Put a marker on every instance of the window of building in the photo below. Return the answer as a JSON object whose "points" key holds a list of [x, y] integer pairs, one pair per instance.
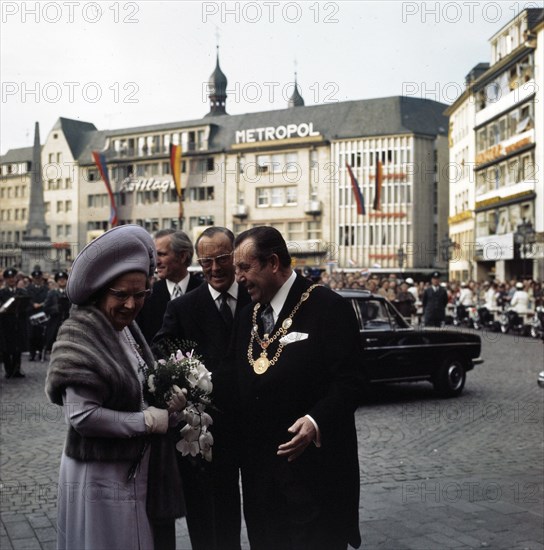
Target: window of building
{"points": [[314, 230], [68, 206], [277, 196], [263, 197], [295, 231], [60, 206], [201, 193]]}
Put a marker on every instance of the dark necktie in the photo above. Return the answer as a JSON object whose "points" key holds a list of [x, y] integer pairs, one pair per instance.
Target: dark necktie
{"points": [[267, 318], [225, 310]]}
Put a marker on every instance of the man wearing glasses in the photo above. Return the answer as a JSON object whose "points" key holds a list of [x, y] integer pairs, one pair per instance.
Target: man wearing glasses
{"points": [[174, 256], [205, 316]]}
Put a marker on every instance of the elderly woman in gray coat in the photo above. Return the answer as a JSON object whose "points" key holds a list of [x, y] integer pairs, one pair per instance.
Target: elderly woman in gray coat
{"points": [[96, 373]]}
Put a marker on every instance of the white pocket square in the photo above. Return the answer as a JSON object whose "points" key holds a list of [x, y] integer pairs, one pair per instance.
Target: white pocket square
{"points": [[293, 337]]}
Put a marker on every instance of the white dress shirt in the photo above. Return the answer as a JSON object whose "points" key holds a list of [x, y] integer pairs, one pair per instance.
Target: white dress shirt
{"points": [[183, 284]]}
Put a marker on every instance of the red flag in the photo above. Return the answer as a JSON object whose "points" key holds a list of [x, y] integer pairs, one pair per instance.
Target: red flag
{"points": [[100, 161], [359, 199], [379, 177]]}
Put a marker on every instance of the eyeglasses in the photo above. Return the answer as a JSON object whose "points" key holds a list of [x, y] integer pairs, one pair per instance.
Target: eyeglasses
{"points": [[222, 260], [123, 296]]}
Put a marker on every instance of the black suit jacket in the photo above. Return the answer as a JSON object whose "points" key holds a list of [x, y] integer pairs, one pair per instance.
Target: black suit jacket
{"points": [[195, 317], [434, 304], [150, 317], [315, 376]]}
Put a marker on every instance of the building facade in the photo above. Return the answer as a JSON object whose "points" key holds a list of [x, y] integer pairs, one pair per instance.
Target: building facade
{"points": [[498, 126], [286, 168]]}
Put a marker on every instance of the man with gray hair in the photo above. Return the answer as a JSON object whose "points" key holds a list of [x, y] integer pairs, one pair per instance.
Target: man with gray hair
{"points": [[174, 256]]}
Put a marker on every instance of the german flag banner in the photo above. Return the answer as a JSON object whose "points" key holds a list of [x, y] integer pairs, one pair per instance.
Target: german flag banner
{"points": [[359, 198], [100, 161], [175, 167]]}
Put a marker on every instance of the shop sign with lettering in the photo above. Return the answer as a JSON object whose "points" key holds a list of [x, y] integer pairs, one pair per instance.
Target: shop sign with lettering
{"points": [[273, 133], [131, 184]]}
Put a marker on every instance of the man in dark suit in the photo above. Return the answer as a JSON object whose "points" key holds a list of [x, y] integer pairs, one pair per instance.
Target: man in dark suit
{"points": [[294, 369], [434, 302], [57, 306], [205, 316], [14, 302], [37, 290], [174, 255]]}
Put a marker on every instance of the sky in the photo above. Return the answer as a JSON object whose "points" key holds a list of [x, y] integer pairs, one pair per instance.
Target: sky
{"points": [[122, 64]]}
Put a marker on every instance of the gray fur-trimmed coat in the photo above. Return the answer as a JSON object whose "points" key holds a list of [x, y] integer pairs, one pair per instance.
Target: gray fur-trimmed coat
{"points": [[87, 353]]}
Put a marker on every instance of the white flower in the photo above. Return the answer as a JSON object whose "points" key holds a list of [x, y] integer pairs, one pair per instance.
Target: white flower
{"points": [[192, 416], [206, 420], [206, 441], [204, 381], [190, 433], [187, 447], [151, 383]]}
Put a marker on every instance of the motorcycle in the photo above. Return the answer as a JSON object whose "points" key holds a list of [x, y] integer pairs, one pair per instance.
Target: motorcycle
{"points": [[465, 315], [486, 319], [511, 320], [537, 324]]}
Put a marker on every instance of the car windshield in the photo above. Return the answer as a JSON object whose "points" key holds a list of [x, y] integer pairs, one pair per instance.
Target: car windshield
{"points": [[376, 315]]}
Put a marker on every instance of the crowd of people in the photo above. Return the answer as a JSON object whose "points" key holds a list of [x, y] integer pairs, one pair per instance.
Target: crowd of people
{"points": [[523, 295]]}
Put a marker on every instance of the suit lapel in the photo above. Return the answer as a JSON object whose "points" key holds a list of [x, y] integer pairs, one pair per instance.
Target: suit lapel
{"points": [[299, 286]]}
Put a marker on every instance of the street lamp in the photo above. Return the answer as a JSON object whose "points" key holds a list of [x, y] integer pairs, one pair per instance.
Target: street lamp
{"points": [[524, 237], [445, 245], [400, 257]]}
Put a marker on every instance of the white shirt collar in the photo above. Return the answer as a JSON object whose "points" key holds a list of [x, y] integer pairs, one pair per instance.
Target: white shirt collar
{"points": [[184, 283], [232, 291], [278, 301]]}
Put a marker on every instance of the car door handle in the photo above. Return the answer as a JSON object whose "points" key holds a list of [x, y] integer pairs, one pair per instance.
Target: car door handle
{"points": [[371, 339]]}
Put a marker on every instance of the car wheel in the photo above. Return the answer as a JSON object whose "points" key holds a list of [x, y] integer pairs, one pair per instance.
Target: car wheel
{"points": [[450, 378]]}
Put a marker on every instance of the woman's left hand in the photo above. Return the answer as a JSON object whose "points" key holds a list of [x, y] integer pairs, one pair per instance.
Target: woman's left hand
{"points": [[178, 401]]}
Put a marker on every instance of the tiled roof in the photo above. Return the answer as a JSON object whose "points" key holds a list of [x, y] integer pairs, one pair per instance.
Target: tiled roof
{"points": [[22, 154], [340, 120]]}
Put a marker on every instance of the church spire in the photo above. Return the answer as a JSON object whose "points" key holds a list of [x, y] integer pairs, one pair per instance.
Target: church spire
{"points": [[296, 100], [217, 86]]}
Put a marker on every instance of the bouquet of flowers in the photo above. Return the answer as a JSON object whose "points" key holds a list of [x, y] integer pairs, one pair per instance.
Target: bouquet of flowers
{"points": [[186, 370]]}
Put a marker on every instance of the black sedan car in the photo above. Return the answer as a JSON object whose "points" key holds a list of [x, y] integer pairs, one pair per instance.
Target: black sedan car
{"points": [[395, 351]]}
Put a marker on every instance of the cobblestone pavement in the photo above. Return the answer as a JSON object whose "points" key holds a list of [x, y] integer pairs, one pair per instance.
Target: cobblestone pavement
{"points": [[457, 473]]}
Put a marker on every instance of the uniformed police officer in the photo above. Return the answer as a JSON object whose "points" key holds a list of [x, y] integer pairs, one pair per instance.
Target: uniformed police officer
{"points": [[13, 306], [435, 300], [37, 292], [57, 306]]}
